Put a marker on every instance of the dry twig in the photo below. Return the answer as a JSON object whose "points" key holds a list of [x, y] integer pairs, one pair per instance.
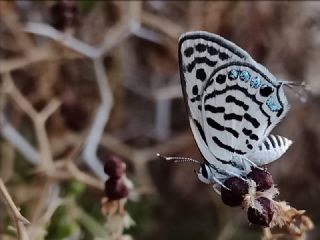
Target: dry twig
{"points": [[19, 220]]}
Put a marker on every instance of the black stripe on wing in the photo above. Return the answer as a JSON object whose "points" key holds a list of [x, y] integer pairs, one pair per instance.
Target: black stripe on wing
{"points": [[232, 99], [200, 130], [214, 109], [249, 133], [252, 120], [240, 103], [199, 60], [227, 147], [253, 68], [273, 143], [212, 123], [232, 116]]}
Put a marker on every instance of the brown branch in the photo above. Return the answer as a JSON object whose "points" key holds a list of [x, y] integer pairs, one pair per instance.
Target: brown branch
{"points": [[16, 215], [37, 55], [167, 27], [39, 119], [12, 21]]}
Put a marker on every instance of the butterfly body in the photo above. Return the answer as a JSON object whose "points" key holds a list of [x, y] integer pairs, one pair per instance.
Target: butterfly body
{"points": [[233, 103]]}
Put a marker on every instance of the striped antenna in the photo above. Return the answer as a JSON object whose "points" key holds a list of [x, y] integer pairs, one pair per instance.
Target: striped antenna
{"points": [[178, 159]]}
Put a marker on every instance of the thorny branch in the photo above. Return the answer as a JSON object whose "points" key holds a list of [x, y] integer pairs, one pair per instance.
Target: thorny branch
{"points": [[65, 169], [19, 220], [39, 119]]}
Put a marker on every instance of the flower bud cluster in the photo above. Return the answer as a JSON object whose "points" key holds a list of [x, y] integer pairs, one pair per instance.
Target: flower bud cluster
{"points": [[115, 188], [249, 193], [64, 14], [255, 194]]}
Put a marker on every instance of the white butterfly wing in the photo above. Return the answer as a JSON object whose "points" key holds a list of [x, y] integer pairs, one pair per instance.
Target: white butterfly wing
{"points": [[270, 149], [199, 54], [228, 117], [250, 103]]}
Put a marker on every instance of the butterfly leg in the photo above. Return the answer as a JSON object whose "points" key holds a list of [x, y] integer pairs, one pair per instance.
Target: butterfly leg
{"points": [[216, 188], [249, 164], [220, 183], [236, 175]]}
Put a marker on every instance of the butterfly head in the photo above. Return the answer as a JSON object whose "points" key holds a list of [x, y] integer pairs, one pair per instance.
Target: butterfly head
{"points": [[204, 173]]}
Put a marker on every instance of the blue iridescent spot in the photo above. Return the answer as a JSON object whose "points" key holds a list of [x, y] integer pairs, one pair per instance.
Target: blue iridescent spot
{"points": [[244, 76], [272, 106], [233, 74], [255, 82]]}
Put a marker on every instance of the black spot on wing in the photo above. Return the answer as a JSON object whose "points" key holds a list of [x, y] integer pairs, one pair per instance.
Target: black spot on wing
{"points": [[188, 51], [280, 111], [201, 47], [198, 60], [200, 130], [196, 98], [201, 74], [227, 147], [212, 51], [246, 131], [249, 146], [252, 120], [223, 56], [254, 137], [232, 99], [221, 79], [195, 90], [214, 39], [214, 109], [265, 91], [260, 147], [249, 133]]}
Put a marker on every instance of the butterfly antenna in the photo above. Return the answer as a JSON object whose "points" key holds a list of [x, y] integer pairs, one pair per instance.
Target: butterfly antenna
{"points": [[302, 86], [178, 159]]}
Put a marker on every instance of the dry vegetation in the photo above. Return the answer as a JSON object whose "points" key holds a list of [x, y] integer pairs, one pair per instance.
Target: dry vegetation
{"points": [[82, 82]]}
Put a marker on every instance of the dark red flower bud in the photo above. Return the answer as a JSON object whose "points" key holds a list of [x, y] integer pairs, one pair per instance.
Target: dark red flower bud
{"points": [[114, 167], [262, 178], [64, 13], [234, 196], [261, 218], [115, 189]]}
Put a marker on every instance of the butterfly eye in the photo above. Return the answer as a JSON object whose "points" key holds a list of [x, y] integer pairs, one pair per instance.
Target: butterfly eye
{"points": [[204, 171]]}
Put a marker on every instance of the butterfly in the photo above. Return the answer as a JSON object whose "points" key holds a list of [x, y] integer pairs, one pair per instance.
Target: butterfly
{"points": [[233, 103]]}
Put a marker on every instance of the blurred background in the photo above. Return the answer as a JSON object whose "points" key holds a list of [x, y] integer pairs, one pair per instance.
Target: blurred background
{"points": [[83, 81]]}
